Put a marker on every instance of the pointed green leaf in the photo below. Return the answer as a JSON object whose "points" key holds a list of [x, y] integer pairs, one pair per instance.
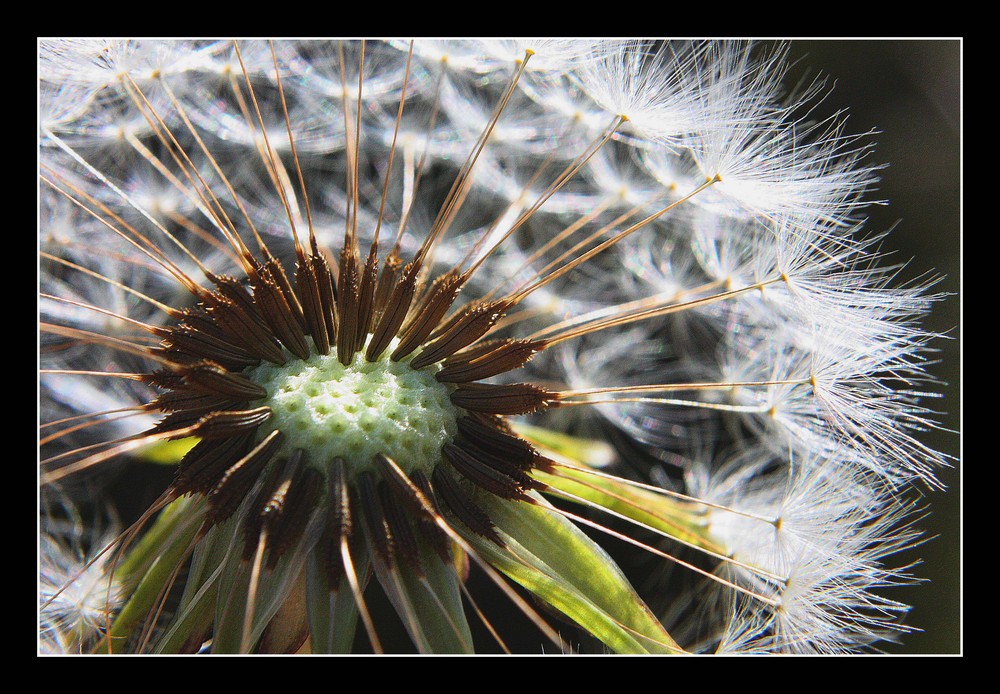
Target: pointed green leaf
{"points": [[197, 607], [274, 587], [679, 519], [333, 613], [190, 623], [438, 601], [589, 452], [178, 516], [153, 562], [554, 559], [429, 606]]}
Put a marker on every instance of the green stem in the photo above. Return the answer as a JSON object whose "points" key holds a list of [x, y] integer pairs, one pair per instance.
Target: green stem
{"points": [[151, 564]]}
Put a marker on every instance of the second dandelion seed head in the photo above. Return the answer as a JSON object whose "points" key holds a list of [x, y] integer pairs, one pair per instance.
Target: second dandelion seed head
{"points": [[357, 411]]}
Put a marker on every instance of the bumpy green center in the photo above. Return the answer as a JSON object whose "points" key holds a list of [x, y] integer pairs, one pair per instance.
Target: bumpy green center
{"points": [[354, 412]]}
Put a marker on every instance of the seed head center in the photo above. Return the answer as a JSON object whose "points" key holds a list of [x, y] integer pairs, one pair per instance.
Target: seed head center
{"points": [[357, 411]]}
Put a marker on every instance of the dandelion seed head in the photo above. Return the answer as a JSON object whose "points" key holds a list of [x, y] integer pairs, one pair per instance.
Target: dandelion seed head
{"points": [[382, 301]]}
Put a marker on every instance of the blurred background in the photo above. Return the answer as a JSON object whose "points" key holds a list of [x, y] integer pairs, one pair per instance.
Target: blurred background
{"points": [[910, 91]]}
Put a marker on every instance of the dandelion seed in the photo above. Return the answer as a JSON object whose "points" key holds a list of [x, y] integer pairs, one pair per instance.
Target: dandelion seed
{"points": [[77, 592]]}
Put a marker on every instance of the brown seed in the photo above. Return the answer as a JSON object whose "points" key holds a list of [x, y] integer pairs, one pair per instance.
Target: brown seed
{"points": [[493, 358], [298, 506], [349, 287], [203, 466], [394, 313], [488, 440], [429, 312], [366, 300], [485, 475], [211, 378], [238, 479], [277, 311], [464, 508], [511, 399], [242, 327], [220, 424], [308, 280], [372, 514], [398, 521], [473, 322]]}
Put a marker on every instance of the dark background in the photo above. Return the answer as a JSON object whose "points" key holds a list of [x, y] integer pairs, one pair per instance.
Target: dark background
{"points": [[910, 91]]}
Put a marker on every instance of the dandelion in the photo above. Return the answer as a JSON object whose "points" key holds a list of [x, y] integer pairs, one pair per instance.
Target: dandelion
{"points": [[378, 303], [76, 589]]}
